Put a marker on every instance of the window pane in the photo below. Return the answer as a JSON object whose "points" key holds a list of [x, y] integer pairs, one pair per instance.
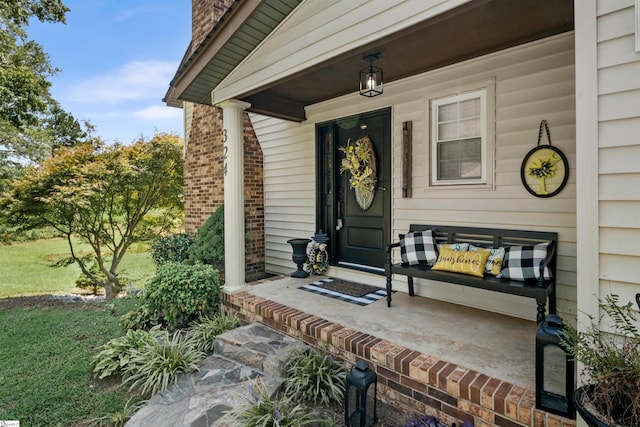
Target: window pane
{"points": [[459, 159], [470, 108], [447, 131], [470, 148], [448, 112], [448, 150], [469, 128], [448, 169], [470, 169]]}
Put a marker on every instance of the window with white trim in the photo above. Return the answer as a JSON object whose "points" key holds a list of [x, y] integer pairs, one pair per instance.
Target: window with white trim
{"points": [[459, 140]]}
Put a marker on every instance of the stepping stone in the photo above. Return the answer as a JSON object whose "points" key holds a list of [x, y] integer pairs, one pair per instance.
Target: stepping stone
{"points": [[200, 399]]}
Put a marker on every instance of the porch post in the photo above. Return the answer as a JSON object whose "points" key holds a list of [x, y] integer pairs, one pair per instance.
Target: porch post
{"points": [[234, 233]]}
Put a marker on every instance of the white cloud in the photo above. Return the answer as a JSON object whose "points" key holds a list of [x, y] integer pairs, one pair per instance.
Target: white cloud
{"points": [[136, 80], [158, 112]]}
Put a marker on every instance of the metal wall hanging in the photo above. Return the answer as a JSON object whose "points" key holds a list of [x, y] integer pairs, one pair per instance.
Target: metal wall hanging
{"points": [[360, 161], [545, 169]]}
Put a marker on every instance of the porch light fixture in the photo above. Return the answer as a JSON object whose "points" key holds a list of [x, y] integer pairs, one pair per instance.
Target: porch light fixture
{"points": [[360, 396], [554, 370], [371, 78]]}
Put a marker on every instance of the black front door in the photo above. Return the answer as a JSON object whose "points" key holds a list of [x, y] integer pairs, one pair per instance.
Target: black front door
{"points": [[358, 235]]}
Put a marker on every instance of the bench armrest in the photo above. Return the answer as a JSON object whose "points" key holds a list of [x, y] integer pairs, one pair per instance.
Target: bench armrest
{"points": [[391, 246], [551, 251]]}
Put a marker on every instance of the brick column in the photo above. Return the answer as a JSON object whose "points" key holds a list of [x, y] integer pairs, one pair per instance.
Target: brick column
{"points": [[234, 233]]}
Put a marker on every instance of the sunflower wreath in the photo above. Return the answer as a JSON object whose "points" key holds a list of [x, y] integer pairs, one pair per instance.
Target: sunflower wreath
{"points": [[318, 260]]}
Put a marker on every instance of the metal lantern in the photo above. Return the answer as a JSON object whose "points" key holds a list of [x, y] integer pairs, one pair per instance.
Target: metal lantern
{"points": [[360, 396], [555, 376], [371, 78]]}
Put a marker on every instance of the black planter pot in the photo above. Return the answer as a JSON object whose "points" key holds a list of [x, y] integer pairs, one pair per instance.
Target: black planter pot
{"points": [[299, 255], [587, 416]]}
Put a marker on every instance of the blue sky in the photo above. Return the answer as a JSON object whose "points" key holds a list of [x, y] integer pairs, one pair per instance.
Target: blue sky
{"points": [[116, 60]]}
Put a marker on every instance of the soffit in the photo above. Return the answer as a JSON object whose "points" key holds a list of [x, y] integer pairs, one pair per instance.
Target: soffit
{"points": [[470, 30], [240, 30]]}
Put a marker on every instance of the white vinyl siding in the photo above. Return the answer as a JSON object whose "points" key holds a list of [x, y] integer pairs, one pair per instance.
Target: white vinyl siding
{"points": [[289, 187], [618, 149], [532, 82]]}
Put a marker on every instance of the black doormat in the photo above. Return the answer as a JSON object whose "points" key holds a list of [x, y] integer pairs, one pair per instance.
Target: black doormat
{"points": [[355, 293]]}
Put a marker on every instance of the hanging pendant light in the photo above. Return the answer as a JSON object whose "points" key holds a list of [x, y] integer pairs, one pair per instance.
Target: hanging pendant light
{"points": [[371, 78]]}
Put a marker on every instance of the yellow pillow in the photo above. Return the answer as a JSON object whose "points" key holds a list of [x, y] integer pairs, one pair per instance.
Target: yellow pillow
{"points": [[462, 262]]}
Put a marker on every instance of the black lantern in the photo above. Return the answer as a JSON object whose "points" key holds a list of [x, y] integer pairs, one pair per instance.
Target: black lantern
{"points": [[371, 78], [555, 374], [360, 396]]}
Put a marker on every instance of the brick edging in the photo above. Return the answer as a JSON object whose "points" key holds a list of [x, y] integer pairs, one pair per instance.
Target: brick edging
{"points": [[418, 382]]}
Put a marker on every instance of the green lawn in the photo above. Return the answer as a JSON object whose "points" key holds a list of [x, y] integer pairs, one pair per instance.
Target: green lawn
{"points": [[25, 267], [46, 350], [45, 372]]}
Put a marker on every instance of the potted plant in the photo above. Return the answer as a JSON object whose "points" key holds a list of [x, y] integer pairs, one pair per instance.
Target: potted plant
{"points": [[611, 361]]}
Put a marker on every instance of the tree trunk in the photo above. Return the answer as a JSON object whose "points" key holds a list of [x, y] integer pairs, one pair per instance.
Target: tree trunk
{"points": [[110, 290], [111, 287]]}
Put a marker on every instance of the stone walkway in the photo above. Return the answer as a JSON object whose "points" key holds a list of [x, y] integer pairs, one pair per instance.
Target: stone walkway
{"points": [[200, 399]]}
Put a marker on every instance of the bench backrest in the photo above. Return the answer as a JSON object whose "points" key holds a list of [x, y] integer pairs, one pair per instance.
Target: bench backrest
{"points": [[491, 237]]}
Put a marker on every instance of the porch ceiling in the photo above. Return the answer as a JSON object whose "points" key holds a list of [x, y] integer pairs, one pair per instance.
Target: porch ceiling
{"points": [[471, 30]]}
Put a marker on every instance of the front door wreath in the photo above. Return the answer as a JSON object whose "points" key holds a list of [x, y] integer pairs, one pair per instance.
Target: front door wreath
{"points": [[360, 162]]}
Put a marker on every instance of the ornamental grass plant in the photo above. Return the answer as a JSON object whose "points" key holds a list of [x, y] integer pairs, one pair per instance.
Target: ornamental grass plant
{"points": [[158, 363], [316, 376], [205, 330], [611, 361], [260, 410]]}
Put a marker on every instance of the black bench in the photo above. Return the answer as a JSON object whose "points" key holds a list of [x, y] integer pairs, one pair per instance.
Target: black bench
{"points": [[542, 289]]}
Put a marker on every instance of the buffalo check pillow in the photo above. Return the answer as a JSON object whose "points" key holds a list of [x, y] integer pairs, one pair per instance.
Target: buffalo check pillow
{"points": [[523, 262], [418, 247]]}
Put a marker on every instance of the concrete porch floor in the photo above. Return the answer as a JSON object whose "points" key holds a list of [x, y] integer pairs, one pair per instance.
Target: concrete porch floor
{"points": [[455, 362], [496, 345]]}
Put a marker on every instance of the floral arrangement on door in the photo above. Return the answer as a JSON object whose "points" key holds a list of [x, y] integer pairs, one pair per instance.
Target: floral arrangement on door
{"points": [[360, 162]]}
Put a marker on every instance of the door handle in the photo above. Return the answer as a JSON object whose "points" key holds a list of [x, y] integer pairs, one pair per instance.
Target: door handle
{"points": [[339, 224]]}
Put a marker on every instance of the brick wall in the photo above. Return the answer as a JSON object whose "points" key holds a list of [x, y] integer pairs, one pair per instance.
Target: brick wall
{"points": [[204, 15], [204, 181], [253, 203], [204, 166]]}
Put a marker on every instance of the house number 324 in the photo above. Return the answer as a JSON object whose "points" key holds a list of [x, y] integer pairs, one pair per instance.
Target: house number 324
{"points": [[226, 149]]}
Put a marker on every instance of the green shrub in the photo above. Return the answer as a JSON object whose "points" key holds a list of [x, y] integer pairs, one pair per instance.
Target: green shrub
{"points": [[209, 245], [115, 355], [259, 410], [172, 248], [139, 318], [205, 330], [158, 363], [180, 293], [315, 376]]}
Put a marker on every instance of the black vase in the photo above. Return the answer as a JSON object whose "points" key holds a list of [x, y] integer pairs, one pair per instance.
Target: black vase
{"points": [[587, 416], [299, 256]]}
